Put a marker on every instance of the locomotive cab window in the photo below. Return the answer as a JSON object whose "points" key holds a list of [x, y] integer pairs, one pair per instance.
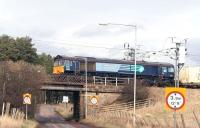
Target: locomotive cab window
{"points": [[56, 63], [170, 69], [71, 63], [66, 62], [164, 70], [67, 65], [61, 62]]}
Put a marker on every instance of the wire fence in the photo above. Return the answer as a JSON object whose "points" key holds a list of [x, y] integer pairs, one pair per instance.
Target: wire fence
{"points": [[125, 119], [127, 106]]}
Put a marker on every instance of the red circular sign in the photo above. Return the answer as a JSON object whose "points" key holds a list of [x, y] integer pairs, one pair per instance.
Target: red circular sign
{"points": [[175, 100]]}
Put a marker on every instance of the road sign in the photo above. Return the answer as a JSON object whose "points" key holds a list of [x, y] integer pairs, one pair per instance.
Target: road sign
{"points": [[94, 100], [26, 98], [175, 98], [26, 101], [65, 99]]}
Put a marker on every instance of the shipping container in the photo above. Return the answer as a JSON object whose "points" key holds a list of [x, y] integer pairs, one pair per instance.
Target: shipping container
{"points": [[190, 75]]}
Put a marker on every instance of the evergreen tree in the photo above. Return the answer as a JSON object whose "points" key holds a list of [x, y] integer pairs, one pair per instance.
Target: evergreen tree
{"points": [[46, 61]]}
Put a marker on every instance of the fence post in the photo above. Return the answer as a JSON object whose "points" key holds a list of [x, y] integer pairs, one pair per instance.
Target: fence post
{"points": [[3, 107], [128, 80], [105, 81], [116, 81], [7, 108], [94, 79]]}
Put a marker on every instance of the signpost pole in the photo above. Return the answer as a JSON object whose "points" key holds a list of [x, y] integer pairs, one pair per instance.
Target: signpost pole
{"points": [[45, 97], [26, 111], [174, 119]]}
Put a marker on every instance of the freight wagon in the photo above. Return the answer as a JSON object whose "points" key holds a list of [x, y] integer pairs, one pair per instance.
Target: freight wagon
{"points": [[152, 72], [190, 76]]}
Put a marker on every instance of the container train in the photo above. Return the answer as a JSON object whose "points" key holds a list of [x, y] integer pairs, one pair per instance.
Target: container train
{"points": [[153, 72]]}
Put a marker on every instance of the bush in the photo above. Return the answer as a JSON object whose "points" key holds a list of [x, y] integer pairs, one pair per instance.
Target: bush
{"points": [[142, 91]]}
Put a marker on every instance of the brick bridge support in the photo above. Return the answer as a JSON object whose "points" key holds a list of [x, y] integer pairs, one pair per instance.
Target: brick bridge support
{"points": [[79, 105]]}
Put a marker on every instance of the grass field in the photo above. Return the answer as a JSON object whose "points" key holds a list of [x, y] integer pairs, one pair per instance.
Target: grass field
{"points": [[7, 122], [192, 102], [159, 111]]}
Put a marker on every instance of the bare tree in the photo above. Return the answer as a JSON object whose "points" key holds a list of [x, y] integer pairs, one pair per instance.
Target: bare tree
{"points": [[17, 78]]}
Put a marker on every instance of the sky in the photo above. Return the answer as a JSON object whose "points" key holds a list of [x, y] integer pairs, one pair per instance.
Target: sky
{"points": [[71, 28]]}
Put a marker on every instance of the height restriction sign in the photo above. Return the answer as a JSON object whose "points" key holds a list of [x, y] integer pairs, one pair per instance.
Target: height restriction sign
{"points": [[26, 98], [94, 100], [175, 98]]}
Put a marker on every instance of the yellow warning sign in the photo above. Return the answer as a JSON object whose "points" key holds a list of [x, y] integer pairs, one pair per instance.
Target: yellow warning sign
{"points": [[27, 98], [94, 100], [175, 98]]}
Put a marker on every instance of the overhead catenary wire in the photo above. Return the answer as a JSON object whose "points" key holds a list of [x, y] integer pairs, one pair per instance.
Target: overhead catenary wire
{"points": [[75, 44], [65, 42], [163, 52]]}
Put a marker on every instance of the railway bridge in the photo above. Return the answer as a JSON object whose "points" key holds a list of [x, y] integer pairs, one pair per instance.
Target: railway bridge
{"points": [[108, 89]]}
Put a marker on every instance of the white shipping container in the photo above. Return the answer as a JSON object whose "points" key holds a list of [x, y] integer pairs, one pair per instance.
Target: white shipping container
{"points": [[189, 75]]}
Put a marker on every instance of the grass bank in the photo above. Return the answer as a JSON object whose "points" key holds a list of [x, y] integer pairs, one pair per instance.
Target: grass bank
{"points": [[8, 122], [154, 116]]}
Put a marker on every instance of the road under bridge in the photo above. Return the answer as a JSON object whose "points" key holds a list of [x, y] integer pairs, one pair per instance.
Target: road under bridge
{"points": [[107, 88]]}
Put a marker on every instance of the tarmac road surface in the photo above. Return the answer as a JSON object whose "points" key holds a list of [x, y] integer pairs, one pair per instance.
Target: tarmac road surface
{"points": [[48, 118]]}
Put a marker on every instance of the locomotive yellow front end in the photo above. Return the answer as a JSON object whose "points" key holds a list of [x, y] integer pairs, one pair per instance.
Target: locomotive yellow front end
{"points": [[58, 69]]}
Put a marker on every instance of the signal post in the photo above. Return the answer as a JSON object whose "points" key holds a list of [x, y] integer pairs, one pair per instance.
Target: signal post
{"points": [[176, 97]]}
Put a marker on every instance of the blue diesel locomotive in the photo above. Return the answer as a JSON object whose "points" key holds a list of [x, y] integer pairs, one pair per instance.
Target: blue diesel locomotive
{"points": [[153, 72]]}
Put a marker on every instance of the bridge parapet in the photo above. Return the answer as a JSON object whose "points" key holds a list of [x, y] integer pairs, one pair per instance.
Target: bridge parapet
{"points": [[94, 80]]}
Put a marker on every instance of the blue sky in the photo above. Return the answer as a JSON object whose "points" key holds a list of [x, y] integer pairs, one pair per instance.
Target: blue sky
{"points": [[66, 27]]}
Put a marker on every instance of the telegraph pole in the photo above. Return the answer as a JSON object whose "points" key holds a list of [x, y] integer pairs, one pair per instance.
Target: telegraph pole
{"points": [[86, 89], [127, 46], [176, 64], [134, 87], [180, 51]]}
